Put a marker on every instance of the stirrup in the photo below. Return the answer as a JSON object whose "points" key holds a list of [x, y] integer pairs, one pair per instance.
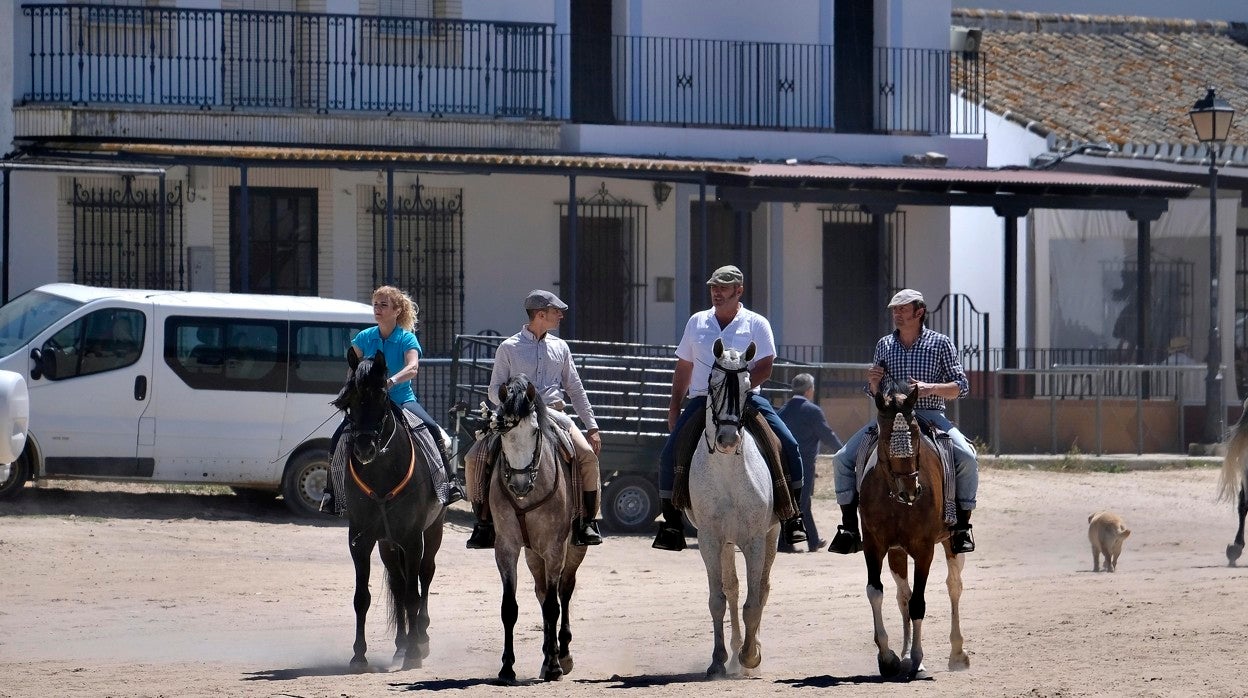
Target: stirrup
{"points": [[793, 530], [845, 542], [586, 533], [961, 540], [482, 537], [669, 538], [454, 493]]}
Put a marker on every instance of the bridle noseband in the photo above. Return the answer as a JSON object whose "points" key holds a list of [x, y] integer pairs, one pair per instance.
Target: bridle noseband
{"points": [[728, 402], [901, 447]]}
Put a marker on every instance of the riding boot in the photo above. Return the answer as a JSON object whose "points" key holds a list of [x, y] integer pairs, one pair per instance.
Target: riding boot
{"points": [[455, 492], [847, 539], [482, 537], [793, 531], [960, 538], [672, 530], [328, 505], [585, 528]]}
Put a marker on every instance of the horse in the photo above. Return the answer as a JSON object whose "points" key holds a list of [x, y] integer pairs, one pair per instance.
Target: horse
{"points": [[532, 505], [902, 504], [1234, 477], [731, 501], [389, 501]]}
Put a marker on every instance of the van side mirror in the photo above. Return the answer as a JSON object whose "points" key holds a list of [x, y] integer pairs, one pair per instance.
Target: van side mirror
{"points": [[36, 369]]}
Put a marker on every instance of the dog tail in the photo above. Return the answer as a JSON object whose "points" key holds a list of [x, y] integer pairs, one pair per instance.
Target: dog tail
{"points": [[1233, 464]]}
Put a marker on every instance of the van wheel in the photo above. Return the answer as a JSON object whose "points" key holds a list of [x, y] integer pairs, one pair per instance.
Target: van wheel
{"points": [[303, 485], [19, 473], [630, 504]]}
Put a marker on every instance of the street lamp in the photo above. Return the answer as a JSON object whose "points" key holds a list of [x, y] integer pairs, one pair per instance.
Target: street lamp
{"points": [[1212, 117]]}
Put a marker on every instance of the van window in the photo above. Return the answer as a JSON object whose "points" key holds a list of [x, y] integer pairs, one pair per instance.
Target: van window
{"points": [[104, 340], [319, 363], [227, 353], [28, 315]]}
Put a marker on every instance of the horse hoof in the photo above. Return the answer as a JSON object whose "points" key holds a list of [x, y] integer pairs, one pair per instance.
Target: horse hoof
{"points": [[507, 675], [422, 650], [716, 671], [359, 665], [889, 664], [553, 674], [566, 663], [959, 662], [1233, 551], [751, 660]]}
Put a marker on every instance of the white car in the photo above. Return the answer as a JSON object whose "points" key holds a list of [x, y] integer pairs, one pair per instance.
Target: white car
{"points": [[14, 418]]}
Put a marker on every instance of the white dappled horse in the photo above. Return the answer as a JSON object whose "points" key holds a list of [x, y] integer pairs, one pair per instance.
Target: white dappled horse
{"points": [[731, 503]]}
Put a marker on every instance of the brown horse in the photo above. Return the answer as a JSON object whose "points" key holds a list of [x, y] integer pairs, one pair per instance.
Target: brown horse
{"points": [[902, 504], [531, 501], [1235, 477]]}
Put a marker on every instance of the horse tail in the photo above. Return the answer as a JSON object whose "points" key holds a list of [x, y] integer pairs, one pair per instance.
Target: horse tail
{"points": [[1233, 463]]}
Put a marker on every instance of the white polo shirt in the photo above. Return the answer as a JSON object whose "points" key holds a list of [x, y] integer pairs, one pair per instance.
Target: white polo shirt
{"points": [[698, 343]]}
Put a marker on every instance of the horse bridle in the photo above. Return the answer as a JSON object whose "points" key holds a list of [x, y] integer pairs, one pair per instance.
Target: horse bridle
{"points": [[901, 447], [534, 461], [730, 401]]}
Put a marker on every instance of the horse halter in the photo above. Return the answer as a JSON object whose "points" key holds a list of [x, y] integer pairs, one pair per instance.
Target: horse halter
{"points": [[361, 436], [901, 447], [501, 424]]}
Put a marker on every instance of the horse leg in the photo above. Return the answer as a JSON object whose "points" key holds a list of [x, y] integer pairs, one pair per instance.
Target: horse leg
{"points": [[886, 659], [361, 554], [412, 560], [732, 600], [958, 658], [505, 558], [547, 568], [428, 565], [567, 585], [396, 574], [918, 606], [757, 581], [1234, 550], [712, 551], [898, 564]]}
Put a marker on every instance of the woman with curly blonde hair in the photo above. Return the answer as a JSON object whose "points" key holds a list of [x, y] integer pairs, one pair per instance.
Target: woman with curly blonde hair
{"points": [[394, 336]]}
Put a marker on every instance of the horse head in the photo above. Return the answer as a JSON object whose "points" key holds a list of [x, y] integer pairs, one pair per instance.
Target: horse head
{"points": [[521, 420], [729, 384], [366, 403], [899, 443]]}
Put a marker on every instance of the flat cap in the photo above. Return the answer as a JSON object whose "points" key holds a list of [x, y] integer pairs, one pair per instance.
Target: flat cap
{"points": [[726, 276], [906, 296], [541, 300]]}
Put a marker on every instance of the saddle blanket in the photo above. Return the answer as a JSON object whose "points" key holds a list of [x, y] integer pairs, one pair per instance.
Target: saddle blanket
{"points": [[868, 456]]}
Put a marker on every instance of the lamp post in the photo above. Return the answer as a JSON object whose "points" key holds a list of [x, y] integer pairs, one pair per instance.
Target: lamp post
{"points": [[1212, 117]]}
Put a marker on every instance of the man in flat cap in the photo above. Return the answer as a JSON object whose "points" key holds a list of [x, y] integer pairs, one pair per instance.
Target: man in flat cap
{"points": [[911, 356], [728, 320], [547, 361]]}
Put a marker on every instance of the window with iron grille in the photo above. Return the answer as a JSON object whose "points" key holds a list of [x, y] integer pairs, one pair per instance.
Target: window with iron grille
{"points": [[423, 254], [128, 237]]}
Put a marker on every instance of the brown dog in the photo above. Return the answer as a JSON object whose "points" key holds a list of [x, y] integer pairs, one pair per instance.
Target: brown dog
{"points": [[1106, 532]]}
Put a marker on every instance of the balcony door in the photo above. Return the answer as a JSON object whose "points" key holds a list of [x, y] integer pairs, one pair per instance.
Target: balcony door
{"points": [[279, 244], [591, 70]]}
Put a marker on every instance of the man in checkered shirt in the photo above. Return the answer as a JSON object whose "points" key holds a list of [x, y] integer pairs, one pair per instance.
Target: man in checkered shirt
{"points": [[912, 356]]}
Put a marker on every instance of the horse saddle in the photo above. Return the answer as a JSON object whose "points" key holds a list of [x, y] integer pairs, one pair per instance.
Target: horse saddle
{"points": [[769, 445], [937, 439]]}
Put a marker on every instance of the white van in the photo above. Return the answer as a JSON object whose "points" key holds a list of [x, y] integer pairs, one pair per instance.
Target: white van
{"points": [[179, 387]]}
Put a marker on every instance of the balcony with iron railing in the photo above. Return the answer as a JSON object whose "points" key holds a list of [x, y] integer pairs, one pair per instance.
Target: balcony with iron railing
{"points": [[103, 56]]}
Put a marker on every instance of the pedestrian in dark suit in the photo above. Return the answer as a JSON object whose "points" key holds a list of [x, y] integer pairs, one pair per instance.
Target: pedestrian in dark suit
{"points": [[805, 419]]}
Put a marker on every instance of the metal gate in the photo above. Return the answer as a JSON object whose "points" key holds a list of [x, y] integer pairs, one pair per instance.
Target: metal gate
{"points": [[423, 254], [956, 316], [128, 237]]}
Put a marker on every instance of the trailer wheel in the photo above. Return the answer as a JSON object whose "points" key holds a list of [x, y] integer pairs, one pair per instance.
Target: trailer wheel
{"points": [[630, 504]]}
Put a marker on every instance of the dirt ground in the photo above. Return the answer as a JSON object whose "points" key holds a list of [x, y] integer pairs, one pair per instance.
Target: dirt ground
{"points": [[112, 590]]}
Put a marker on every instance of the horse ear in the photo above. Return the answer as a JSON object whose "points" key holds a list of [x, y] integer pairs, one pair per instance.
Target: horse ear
{"points": [[502, 393], [749, 352], [879, 401], [353, 359], [911, 400], [379, 359], [718, 348], [531, 391]]}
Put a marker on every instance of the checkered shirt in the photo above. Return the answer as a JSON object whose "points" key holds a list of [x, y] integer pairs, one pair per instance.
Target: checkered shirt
{"points": [[931, 359]]}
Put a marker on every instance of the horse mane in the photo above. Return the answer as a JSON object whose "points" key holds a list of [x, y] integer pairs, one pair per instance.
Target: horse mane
{"points": [[358, 376], [519, 405]]}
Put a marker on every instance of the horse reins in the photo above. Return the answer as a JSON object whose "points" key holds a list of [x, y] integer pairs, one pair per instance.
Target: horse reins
{"points": [[383, 500]]}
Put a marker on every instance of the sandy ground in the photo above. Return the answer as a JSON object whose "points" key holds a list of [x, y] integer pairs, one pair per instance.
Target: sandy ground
{"points": [[115, 590]]}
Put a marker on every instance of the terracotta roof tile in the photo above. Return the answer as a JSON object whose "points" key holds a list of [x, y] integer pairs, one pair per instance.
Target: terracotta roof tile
{"points": [[1116, 79]]}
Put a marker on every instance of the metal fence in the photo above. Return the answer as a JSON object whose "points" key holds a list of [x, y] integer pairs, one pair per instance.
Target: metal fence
{"points": [[250, 59]]}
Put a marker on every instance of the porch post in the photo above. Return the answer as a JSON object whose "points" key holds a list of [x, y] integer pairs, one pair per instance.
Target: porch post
{"points": [[4, 283], [389, 225], [703, 272], [1010, 327], [244, 232], [568, 288], [1143, 292], [163, 212]]}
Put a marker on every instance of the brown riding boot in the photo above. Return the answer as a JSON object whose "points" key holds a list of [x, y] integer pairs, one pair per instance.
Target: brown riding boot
{"points": [[585, 528]]}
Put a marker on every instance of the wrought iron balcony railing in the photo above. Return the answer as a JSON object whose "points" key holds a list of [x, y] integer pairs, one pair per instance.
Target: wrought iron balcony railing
{"points": [[257, 60]]}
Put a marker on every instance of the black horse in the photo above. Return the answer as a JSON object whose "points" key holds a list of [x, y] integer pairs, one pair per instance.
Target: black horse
{"points": [[389, 500]]}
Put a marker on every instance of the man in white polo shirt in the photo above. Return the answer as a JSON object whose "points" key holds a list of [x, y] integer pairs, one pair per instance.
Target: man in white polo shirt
{"points": [[729, 320]]}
